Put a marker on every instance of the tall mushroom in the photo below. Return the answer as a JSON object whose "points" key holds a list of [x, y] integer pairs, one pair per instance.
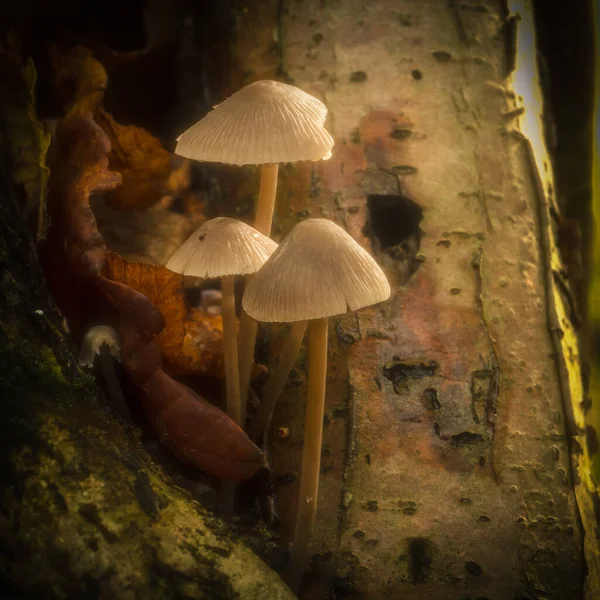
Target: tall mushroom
{"points": [[223, 248], [318, 271], [264, 123]]}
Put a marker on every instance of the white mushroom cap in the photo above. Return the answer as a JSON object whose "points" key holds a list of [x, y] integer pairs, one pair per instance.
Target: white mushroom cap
{"points": [[93, 340], [222, 247], [317, 271], [264, 122]]}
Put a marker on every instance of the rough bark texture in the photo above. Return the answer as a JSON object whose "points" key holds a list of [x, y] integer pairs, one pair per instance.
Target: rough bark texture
{"points": [[446, 470], [83, 512]]}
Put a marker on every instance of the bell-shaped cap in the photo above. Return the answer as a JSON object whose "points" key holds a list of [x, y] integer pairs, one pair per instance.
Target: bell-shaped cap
{"points": [[222, 247], [264, 122], [94, 339], [317, 271]]}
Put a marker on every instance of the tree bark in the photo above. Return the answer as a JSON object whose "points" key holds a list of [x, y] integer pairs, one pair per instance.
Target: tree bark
{"points": [[83, 511], [446, 470]]}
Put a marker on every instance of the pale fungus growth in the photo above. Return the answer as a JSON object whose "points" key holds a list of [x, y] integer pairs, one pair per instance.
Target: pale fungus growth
{"points": [[101, 343], [223, 248], [94, 340], [265, 123], [317, 272]]}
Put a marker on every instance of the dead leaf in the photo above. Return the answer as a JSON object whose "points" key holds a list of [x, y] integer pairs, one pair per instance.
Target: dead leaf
{"points": [[197, 431], [190, 346], [145, 166], [142, 161], [80, 80]]}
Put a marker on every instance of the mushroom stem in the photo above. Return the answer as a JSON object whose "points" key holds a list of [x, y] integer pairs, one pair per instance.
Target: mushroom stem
{"points": [[278, 380], [266, 198], [247, 342], [311, 456], [113, 387], [230, 349], [248, 326]]}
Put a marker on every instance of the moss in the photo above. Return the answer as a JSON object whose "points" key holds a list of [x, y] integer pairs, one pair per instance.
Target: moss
{"points": [[48, 365]]}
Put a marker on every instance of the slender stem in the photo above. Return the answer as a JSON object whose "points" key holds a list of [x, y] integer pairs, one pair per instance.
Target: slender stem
{"points": [[230, 349], [107, 366], [311, 456], [246, 345], [232, 377], [266, 198], [248, 326], [278, 380]]}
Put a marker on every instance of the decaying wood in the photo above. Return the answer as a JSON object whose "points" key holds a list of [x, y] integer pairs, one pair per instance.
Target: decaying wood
{"points": [[83, 512], [446, 470]]}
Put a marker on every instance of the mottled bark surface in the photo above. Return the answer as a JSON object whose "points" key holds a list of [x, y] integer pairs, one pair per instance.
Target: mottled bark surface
{"points": [[83, 512], [446, 471]]}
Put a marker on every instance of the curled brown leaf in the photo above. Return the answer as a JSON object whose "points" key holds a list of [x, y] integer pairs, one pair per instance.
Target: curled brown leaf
{"points": [[142, 161], [190, 346]]}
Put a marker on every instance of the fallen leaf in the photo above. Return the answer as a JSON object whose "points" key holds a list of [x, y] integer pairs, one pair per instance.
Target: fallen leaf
{"points": [[145, 166], [190, 346], [197, 431], [142, 161], [80, 80]]}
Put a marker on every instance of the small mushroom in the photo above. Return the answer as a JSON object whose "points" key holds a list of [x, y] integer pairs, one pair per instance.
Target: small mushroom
{"points": [[318, 271], [223, 248], [102, 341], [265, 123]]}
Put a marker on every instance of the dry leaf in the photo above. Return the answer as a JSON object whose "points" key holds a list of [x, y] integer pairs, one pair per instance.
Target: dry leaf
{"points": [[142, 161], [190, 346]]}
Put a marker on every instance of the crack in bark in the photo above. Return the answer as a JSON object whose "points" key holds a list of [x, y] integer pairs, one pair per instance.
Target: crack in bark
{"points": [[481, 193], [461, 30], [493, 393]]}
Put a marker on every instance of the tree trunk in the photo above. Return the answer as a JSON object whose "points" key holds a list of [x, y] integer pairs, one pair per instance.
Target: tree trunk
{"points": [[453, 461], [446, 469], [83, 511]]}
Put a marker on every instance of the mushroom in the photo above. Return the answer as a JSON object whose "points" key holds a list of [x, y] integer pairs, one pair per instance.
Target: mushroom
{"points": [[264, 123], [223, 248], [318, 271], [102, 341]]}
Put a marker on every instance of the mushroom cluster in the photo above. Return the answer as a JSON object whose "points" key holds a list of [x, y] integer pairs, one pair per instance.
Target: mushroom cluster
{"points": [[265, 123], [318, 271]]}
